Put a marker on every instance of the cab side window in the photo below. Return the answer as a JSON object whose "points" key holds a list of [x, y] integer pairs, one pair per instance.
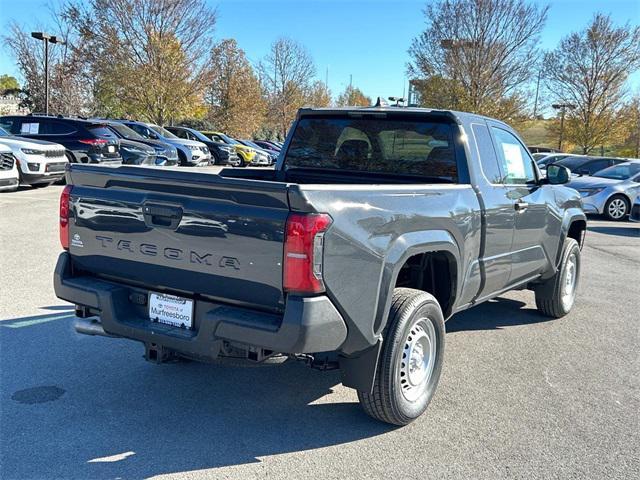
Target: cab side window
{"points": [[514, 159]]}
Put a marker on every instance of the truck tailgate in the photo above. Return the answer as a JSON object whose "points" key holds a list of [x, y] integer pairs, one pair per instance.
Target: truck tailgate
{"points": [[183, 232]]}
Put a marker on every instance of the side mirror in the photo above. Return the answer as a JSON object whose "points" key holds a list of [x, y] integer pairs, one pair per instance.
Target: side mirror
{"points": [[558, 175]]}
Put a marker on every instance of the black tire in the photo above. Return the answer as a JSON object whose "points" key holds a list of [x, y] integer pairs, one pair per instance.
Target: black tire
{"points": [[40, 185], [182, 159], [619, 213], [413, 314], [214, 158], [242, 162], [551, 296]]}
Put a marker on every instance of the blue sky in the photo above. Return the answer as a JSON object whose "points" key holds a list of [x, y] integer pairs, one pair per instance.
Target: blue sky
{"points": [[366, 39]]}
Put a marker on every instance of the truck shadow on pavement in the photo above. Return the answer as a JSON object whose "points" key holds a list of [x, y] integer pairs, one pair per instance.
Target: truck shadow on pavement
{"points": [[90, 407], [495, 314]]}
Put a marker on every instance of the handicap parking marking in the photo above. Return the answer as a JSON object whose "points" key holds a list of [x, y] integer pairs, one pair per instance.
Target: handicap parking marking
{"points": [[34, 320]]}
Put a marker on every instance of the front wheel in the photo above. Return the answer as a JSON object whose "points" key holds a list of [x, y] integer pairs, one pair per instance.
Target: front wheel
{"points": [[410, 361], [616, 208], [556, 296]]}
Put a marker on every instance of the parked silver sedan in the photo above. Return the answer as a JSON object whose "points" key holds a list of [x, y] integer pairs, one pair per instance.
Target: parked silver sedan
{"points": [[611, 191]]}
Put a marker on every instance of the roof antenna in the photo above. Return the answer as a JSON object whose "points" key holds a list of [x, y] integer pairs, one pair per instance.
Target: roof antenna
{"points": [[381, 103]]}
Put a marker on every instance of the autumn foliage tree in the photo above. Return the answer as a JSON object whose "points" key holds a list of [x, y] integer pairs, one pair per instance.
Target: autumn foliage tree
{"points": [[353, 97], [234, 95], [589, 70], [319, 95], [148, 58]]}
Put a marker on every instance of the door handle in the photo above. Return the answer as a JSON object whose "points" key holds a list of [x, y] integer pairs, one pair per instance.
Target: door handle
{"points": [[521, 206]]}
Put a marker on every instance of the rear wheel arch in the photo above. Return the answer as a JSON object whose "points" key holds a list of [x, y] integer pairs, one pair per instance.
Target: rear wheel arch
{"points": [[442, 249]]}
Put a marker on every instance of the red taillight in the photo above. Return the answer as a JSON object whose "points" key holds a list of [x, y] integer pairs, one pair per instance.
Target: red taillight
{"points": [[303, 246], [64, 217], [94, 141]]}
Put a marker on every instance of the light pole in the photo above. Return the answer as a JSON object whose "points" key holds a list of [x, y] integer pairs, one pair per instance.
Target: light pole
{"points": [[563, 108], [46, 38]]}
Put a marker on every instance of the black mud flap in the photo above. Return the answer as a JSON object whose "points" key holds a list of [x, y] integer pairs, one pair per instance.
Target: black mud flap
{"points": [[359, 371]]}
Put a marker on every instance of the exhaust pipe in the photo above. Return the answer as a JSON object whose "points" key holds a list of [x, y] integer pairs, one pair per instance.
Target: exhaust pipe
{"points": [[90, 326]]}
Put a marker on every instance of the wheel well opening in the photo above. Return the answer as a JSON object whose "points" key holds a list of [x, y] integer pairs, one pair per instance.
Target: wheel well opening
{"points": [[577, 230], [433, 272]]}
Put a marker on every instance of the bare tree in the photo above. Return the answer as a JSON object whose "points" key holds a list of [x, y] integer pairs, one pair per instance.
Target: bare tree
{"points": [[234, 95], [68, 92], [589, 70], [482, 52], [148, 57], [286, 74]]}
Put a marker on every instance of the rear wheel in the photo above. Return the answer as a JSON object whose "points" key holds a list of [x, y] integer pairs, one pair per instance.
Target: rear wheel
{"points": [[410, 361], [616, 208]]}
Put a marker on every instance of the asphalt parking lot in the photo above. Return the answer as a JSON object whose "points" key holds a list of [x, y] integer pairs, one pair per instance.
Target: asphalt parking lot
{"points": [[521, 396]]}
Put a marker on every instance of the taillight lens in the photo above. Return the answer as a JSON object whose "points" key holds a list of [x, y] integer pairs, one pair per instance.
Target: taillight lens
{"points": [[94, 141], [303, 247], [64, 216]]}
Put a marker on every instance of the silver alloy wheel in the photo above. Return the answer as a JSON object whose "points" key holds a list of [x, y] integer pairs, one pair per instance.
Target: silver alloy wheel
{"points": [[569, 284], [417, 359], [617, 208]]}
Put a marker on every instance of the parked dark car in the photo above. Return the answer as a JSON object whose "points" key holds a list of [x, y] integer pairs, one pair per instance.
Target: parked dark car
{"points": [[588, 165], [85, 141], [267, 146], [166, 155], [135, 153], [221, 153], [376, 226]]}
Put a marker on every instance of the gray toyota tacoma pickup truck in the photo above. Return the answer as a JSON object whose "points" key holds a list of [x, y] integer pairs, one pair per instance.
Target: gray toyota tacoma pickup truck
{"points": [[376, 226]]}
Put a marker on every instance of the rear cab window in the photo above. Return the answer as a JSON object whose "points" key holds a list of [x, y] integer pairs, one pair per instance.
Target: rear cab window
{"points": [[422, 149]]}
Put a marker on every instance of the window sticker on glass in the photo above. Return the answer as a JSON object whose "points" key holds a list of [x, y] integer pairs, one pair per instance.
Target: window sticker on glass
{"points": [[29, 128], [514, 160]]}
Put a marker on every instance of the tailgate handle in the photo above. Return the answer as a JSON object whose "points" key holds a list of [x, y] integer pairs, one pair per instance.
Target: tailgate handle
{"points": [[163, 216]]}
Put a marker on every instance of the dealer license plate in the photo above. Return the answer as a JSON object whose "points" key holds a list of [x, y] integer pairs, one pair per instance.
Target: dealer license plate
{"points": [[111, 148], [171, 310]]}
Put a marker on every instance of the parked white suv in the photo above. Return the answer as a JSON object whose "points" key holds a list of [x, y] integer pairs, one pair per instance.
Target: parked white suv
{"points": [[8, 170], [39, 163]]}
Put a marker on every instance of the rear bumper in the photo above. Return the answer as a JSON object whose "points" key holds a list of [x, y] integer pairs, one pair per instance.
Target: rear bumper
{"points": [[309, 325]]}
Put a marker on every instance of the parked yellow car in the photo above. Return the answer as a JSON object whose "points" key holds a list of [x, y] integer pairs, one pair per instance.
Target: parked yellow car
{"points": [[246, 154]]}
